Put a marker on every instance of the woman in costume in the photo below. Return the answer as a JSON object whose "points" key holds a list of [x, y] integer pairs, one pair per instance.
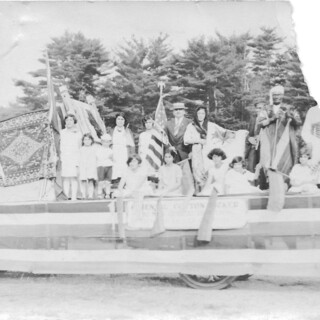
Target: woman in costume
{"points": [[204, 136]]}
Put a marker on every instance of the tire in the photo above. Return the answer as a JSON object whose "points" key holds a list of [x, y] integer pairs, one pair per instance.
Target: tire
{"points": [[243, 277], [207, 282]]}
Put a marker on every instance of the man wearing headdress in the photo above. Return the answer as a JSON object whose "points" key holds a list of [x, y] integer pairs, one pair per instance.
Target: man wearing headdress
{"points": [[279, 150]]}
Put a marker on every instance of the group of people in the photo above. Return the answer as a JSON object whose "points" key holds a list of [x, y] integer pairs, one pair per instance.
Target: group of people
{"points": [[217, 156], [95, 166]]}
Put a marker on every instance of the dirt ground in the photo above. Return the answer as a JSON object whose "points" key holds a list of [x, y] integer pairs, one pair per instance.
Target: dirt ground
{"points": [[112, 297]]}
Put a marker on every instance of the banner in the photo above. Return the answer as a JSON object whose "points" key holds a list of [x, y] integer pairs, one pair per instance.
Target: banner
{"points": [[27, 150]]}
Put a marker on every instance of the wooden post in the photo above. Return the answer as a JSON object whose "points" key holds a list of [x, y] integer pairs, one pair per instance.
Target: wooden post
{"points": [[205, 229]]}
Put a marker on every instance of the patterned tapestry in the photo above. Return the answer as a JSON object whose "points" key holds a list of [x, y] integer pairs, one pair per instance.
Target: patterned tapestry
{"points": [[27, 150]]}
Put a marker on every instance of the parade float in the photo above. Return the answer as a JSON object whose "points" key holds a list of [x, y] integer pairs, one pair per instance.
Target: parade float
{"points": [[208, 241], [41, 235]]}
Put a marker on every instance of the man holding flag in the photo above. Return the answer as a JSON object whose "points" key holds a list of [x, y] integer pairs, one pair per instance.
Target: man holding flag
{"points": [[279, 149]]}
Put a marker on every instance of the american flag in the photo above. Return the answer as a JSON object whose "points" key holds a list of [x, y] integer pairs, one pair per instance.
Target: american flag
{"points": [[160, 116], [158, 138]]}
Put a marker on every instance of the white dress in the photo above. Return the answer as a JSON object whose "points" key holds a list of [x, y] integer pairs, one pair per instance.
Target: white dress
{"points": [[237, 182], [70, 142], [88, 163], [304, 179], [120, 152], [169, 176], [218, 175], [136, 182], [144, 141]]}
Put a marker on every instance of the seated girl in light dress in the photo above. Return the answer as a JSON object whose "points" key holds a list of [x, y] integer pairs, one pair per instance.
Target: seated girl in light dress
{"points": [[170, 176], [238, 178], [88, 166], [302, 179], [216, 174], [134, 180]]}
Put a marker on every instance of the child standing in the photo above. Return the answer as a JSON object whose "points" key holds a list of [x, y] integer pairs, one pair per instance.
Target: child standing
{"points": [[88, 166], [104, 164]]}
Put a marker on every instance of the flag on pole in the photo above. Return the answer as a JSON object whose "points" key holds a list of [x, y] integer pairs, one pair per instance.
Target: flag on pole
{"points": [[160, 116], [155, 150], [187, 182], [56, 126], [53, 114], [158, 138]]}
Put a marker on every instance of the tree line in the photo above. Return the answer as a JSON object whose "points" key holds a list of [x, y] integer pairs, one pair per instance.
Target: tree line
{"points": [[227, 74]]}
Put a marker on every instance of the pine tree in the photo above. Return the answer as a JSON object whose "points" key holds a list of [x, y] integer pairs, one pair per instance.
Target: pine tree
{"points": [[296, 90], [264, 48], [74, 61], [130, 82], [213, 72]]}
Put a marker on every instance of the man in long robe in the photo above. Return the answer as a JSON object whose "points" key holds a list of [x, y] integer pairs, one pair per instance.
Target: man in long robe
{"points": [[277, 151]]}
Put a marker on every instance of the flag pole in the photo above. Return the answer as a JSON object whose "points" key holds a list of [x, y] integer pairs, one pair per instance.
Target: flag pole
{"points": [[161, 85]]}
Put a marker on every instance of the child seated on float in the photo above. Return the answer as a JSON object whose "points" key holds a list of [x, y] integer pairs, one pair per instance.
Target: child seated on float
{"points": [[170, 176], [104, 166], [134, 181], [216, 173], [302, 178], [238, 179], [87, 166]]}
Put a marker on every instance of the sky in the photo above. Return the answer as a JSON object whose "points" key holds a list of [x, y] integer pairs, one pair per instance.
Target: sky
{"points": [[26, 27]]}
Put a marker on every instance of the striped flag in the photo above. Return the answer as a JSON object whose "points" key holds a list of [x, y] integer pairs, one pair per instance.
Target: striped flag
{"points": [[158, 138], [160, 116], [280, 164], [155, 150]]}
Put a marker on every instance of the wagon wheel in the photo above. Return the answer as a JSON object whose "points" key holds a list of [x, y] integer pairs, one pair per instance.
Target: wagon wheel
{"points": [[207, 282], [244, 277]]}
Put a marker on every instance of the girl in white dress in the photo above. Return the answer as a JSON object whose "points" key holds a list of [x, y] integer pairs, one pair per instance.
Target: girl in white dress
{"points": [[170, 176], [134, 180], [88, 166], [302, 178], [145, 136], [217, 173], [70, 143], [123, 146], [238, 179]]}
